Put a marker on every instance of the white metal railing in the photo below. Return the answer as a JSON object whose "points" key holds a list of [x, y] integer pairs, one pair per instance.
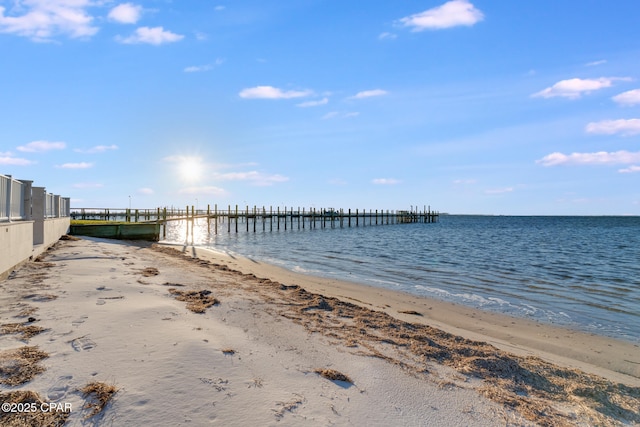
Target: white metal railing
{"points": [[49, 210], [17, 201], [11, 199], [65, 206]]}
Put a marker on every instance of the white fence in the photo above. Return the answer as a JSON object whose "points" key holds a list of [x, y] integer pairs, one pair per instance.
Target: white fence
{"points": [[17, 199]]}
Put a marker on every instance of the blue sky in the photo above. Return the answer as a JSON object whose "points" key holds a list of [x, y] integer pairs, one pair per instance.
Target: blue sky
{"points": [[481, 106]]}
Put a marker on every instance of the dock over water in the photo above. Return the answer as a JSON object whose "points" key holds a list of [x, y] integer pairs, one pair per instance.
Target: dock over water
{"points": [[234, 219]]}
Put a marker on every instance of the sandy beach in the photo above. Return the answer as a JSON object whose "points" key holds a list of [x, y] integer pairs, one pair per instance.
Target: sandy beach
{"points": [[100, 332]]}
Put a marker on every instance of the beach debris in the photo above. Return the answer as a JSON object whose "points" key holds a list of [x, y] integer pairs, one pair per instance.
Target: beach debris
{"points": [[319, 303], [68, 237], [219, 384], [28, 399], [197, 301], [333, 375], [150, 271], [26, 330], [26, 311], [20, 365], [99, 395], [228, 351], [412, 312], [289, 406]]}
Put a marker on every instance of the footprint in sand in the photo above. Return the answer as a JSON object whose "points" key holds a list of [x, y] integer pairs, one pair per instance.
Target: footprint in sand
{"points": [[79, 321], [83, 344], [59, 389]]}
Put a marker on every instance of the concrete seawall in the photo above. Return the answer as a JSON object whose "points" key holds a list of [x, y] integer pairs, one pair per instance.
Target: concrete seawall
{"points": [[22, 240], [31, 220]]}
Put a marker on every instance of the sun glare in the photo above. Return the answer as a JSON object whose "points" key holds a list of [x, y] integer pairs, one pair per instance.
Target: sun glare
{"points": [[190, 169]]}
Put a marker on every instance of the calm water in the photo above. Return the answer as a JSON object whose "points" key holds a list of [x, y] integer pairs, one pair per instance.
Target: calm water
{"points": [[582, 272]]}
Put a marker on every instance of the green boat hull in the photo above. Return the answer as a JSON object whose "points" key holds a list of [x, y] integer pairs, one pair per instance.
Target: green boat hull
{"points": [[131, 231]]}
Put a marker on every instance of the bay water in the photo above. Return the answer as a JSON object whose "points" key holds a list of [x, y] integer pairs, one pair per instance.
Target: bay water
{"points": [[580, 272]]}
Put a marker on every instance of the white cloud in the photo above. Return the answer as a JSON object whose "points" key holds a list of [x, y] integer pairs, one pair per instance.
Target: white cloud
{"points": [[630, 97], [145, 191], [465, 181], [322, 101], [270, 92], [219, 8], [340, 115], [387, 36], [205, 190], [574, 88], [41, 146], [125, 13], [97, 149], [595, 63], [451, 14], [369, 94], [337, 181], [499, 190], [81, 165], [41, 20], [206, 67], [611, 127], [630, 169], [254, 177], [385, 181], [9, 159], [198, 68], [155, 36], [598, 158]]}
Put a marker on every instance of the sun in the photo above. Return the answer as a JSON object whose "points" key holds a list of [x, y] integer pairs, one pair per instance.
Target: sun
{"points": [[190, 169]]}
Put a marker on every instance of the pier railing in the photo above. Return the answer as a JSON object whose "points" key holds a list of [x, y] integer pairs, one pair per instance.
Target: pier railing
{"points": [[260, 218]]}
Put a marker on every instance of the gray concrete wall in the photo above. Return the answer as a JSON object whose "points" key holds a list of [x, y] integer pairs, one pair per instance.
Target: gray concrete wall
{"points": [[18, 243]]}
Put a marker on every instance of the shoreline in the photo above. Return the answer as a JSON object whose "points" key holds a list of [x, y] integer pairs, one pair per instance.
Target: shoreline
{"points": [[612, 358]]}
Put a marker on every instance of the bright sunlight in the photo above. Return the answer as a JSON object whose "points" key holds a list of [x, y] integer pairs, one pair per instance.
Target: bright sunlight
{"points": [[190, 169]]}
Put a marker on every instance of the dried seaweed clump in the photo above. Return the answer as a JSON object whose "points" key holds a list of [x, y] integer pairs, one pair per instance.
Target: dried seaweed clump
{"points": [[333, 375], [32, 419], [100, 394], [150, 271], [27, 310], [26, 330], [544, 393], [197, 301], [69, 237], [20, 365]]}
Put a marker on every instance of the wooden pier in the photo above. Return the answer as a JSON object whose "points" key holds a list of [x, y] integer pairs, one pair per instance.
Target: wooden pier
{"points": [[262, 219]]}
